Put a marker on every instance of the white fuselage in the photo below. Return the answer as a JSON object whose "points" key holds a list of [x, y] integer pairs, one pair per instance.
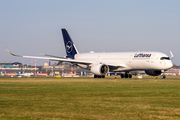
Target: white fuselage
{"points": [[131, 60]]}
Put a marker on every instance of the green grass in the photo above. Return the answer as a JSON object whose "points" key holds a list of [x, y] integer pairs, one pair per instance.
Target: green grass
{"points": [[88, 98]]}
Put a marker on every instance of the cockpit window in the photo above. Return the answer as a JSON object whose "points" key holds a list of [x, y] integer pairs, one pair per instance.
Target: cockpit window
{"points": [[165, 58]]}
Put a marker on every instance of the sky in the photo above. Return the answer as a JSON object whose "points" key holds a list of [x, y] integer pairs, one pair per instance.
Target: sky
{"points": [[31, 27]]}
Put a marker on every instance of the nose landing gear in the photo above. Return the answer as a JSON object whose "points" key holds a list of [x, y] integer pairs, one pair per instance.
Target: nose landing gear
{"points": [[163, 76]]}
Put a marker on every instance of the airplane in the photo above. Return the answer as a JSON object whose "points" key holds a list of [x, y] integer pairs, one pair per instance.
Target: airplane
{"points": [[153, 63]]}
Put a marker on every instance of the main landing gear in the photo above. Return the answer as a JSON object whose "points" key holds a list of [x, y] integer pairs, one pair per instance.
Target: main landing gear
{"points": [[99, 76], [126, 75]]}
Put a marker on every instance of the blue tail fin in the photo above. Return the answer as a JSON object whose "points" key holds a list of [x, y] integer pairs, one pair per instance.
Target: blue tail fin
{"points": [[69, 45]]}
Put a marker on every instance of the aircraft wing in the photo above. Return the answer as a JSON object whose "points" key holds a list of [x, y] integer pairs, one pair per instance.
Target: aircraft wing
{"points": [[62, 59]]}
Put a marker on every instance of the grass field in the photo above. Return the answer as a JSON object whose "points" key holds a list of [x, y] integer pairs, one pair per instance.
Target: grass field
{"points": [[88, 98]]}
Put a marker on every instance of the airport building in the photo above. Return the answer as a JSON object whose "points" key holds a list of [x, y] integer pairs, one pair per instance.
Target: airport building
{"points": [[172, 72], [11, 65], [16, 68]]}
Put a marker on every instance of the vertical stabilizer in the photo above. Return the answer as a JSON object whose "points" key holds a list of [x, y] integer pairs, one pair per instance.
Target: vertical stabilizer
{"points": [[70, 48]]}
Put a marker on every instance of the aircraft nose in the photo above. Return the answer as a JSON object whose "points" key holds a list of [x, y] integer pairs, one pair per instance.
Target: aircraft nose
{"points": [[170, 64]]}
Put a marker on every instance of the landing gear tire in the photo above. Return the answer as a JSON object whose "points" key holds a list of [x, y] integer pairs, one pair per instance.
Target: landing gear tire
{"points": [[99, 76], [130, 76], [126, 75], [163, 77], [95, 76], [122, 75]]}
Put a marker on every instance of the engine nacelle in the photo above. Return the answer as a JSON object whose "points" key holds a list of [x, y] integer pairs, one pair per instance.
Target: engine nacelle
{"points": [[153, 72], [99, 69]]}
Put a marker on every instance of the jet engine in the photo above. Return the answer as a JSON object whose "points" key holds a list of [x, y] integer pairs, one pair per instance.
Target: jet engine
{"points": [[153, 72], [99, 69]]}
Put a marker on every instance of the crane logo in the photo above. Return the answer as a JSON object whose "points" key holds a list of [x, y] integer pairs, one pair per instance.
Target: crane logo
{"points": [[69, 47]]}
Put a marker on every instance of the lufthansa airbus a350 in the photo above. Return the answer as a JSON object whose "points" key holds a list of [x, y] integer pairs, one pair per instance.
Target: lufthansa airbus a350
{"points": [[153, 63]]}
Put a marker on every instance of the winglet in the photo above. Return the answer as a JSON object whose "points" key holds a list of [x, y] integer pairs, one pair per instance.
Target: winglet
{"points": [[12, 53], [172, 56]]}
